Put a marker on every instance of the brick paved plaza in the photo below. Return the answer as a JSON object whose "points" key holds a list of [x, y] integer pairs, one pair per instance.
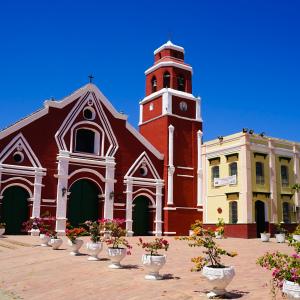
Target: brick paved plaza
{"points": [[29, 271]]}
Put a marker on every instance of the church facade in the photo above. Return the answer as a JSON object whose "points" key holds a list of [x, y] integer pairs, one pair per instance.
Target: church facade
{"points": [[79, 159]]}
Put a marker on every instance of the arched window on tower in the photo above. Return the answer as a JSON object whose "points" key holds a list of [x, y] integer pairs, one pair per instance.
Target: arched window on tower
{"points": [[154, 84], [233, 212], [85, 140], [181, 83], [167, 79]]}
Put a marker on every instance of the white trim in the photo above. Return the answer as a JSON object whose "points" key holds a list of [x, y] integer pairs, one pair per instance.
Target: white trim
{"points": [[169, 232], [169, 45], [49, 200], [224, 151], [182, 175], [169, 64], [18, 184], [143, 189], [185, 168], [87, 171], [17, 178], [169, 208], [119, 204], [173, 115], [147, 196]]}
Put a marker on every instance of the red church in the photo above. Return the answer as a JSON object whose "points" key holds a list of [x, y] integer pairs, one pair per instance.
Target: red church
{"points": [[79, 159]]}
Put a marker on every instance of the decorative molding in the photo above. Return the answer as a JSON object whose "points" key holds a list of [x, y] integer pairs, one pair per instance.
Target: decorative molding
{"points": [[183, 175], [168, 64]]}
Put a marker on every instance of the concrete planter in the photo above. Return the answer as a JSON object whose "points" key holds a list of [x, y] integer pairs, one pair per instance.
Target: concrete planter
{"points": [[44, 240], [34, 232], [116, 255], [55, 243], [75, 246], [296, 237], [291, 290], [94, 249], [2, 230], [280, 237], [265, 237], [153, 263], [218, 279]]}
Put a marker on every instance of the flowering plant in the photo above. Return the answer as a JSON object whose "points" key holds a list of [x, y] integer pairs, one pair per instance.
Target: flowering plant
{"points": [[117, 233], [220, 226], [2, 225], [93, 230], [42, 224], [53, 234], [154, 246], [202, 237], [283, 267], [74, 233], [279, 229], [297, 230]]}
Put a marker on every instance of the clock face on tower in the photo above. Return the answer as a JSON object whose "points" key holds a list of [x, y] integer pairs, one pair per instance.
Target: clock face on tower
{"points": [[183, 106]]}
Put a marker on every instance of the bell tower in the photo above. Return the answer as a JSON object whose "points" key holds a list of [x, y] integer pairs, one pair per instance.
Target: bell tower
{"points": [[170, 118]]}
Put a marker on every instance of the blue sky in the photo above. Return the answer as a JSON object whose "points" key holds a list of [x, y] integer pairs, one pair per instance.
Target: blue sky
{"points": [[245, 56]]}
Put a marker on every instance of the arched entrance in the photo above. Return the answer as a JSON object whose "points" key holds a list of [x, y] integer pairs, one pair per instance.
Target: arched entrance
{"points": [[141, 216], [15, 209], [83, 203], [260, 217]]}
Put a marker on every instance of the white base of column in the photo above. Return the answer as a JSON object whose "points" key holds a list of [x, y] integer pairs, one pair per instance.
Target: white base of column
{"points": [[61, 226]]}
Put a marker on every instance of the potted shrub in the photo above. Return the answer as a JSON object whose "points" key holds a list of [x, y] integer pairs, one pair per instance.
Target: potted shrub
{"points": [[217, 274], [285, 272], [118, 245], [104, 229], [280, 233], [219, 232], [296, 234], [2, 228], [265, 236], [73, 234], [55, 241], [95, 245], [152, 259]]}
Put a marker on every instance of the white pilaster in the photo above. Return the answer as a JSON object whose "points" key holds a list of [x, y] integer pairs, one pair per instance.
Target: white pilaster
{"points": [[37, 194], [158, 211], [62, 188], [109, 188], [273, 184], [297, 174], [141, 114], [246, 183], [199, 169], [171, 168], [166, 102], [129, 208], [198, 109]]}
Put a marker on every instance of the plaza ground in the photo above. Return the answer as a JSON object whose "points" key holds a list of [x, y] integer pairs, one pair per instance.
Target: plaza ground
{"points": [[28, 271]]}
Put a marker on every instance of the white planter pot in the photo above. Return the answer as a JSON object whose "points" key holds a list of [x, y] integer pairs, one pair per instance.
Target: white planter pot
{"points": [[116, 255], [265, 237], [153, 264], [296, 237], [44, 240], [291, 289], [218, 279], [218, 235], [94, 249], [280, 237], [2, 230], [34, 232], [55, 243], [75, 246]]}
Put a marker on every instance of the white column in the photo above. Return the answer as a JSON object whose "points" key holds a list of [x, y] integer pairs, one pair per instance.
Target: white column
{"points": [[109, 188], [129, 208], [158, 209], [141, 113], [246, 183], [198, 109], [37, 194], [171, 168], [62, 192], [199, 169], [166, 102], [297, 175], [273, 184]]}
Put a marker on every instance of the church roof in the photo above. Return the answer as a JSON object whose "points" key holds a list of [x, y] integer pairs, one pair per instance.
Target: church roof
{"points": [[169, 45]]}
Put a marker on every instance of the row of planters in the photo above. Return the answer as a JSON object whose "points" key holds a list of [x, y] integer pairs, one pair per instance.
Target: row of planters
{"points": [[281, 234], [103, 231]]}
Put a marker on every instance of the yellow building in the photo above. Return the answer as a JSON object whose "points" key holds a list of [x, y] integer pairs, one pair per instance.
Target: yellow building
{"points": [[248, 182]]}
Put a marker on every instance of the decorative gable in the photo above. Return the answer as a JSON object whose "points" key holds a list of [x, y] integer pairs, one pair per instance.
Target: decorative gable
{"points": [[88, 114], [142, 168], [19, 152]]}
